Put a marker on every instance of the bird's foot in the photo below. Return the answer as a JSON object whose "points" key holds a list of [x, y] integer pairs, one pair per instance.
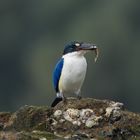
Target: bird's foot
{"points": [[79, 97], [64, 100]]}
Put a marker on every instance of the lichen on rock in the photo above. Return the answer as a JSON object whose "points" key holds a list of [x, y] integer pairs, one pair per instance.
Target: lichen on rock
{"points": [[86, 118]]}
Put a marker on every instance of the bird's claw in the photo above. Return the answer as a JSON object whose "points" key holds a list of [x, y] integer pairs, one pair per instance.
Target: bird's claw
{"points": [[64, 100], [79, 97]]}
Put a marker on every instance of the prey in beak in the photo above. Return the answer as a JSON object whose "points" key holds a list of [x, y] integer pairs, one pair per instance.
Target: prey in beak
{"points": [[88, 47]]}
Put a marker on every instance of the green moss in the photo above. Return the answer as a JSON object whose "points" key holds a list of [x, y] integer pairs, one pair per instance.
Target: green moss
{"points": [[134, 138], [4, 116], [29, 117], [34, 123], [44, 134], [136, 130], [35, 135]]}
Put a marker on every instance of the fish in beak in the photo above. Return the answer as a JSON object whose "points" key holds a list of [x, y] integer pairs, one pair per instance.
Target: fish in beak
{"points": [[89, 47]]}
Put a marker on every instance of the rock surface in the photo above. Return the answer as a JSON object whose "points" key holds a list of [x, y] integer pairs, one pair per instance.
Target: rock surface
{"points": [[86, 118]]}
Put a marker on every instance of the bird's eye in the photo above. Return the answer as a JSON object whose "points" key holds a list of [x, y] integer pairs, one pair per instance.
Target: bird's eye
{"points": [[77, 44]]}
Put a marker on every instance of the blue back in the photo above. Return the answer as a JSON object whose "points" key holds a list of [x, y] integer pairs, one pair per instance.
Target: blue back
{"points": [[57, 74]]}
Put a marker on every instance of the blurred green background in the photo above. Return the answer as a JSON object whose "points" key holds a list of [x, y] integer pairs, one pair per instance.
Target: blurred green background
{"points": [[32, 37]]}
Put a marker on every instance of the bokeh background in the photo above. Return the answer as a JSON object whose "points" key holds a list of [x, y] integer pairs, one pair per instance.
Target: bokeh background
{"points": [[32, 37]]}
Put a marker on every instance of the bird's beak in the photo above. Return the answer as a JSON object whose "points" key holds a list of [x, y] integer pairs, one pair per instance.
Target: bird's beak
{"points": [[87, 46]]}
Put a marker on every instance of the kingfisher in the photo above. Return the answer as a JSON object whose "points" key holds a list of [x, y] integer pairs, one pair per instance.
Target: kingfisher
{"points": [[70, 71]]}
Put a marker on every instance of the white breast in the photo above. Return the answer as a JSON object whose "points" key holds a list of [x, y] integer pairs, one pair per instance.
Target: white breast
{"points": [[73, 73]]}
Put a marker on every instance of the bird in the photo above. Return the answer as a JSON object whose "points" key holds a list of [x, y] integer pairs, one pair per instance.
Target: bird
{"points": [[70, 71]]}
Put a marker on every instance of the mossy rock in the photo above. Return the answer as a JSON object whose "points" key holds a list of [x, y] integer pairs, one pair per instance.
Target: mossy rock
{"points": [[29, 118], [40, 123], [24, 135]]}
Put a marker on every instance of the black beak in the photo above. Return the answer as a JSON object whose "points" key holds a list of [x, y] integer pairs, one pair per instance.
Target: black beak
{"points": [[87, 46]]}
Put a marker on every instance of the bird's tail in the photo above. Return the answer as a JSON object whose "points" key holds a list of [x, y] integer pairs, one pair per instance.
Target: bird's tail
{"points": [[56, 101]]}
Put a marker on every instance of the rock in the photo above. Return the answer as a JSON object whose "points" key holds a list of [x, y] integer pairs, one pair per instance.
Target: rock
{"points": [[71, 114], [86, 113], [90, 123], [57, 113], [28, 118], [4, 118], [83, 119]]}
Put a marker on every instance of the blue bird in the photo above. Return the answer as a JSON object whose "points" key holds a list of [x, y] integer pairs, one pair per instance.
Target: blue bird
{"points": [[70, 71]]}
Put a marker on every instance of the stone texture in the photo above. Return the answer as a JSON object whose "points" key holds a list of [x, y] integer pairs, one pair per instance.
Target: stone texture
{"points": [[86, 118]]}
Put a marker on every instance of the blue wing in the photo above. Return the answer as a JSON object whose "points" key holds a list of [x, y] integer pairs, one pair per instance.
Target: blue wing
{"points": [[57, 73]]}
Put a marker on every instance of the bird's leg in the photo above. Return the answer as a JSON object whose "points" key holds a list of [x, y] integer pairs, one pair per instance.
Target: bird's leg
{"points": [[64, 99], [79, 97], [78, 94]]}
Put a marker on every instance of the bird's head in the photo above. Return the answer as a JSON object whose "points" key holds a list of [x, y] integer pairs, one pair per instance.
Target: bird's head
{"points": [[80, 48]]}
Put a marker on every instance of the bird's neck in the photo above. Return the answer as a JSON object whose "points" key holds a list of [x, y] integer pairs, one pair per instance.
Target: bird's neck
{"points": [[75, 54]]}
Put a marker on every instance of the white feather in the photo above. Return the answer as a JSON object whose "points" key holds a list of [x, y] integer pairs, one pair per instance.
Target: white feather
{"points": [[73, 73]]}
